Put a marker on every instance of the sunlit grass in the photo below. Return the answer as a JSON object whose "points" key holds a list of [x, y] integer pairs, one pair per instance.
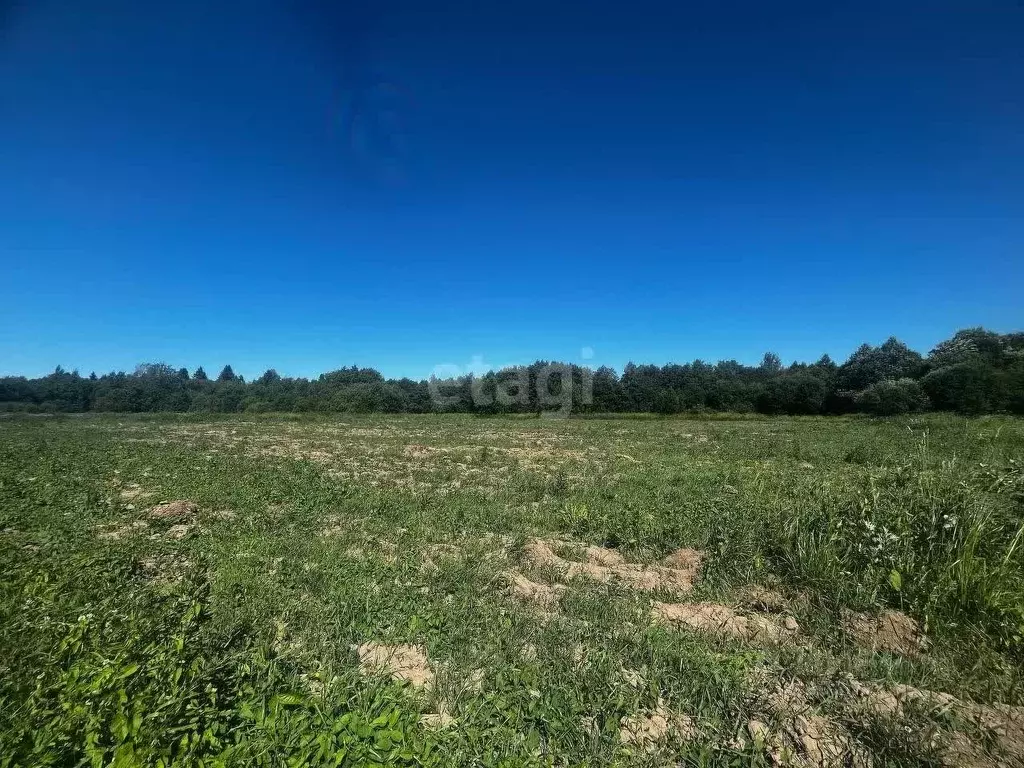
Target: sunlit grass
{"points": [[230, 640]]}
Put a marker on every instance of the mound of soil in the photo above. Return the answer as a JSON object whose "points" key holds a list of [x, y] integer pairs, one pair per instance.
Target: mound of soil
{"points": [[793, 733], [652, 730], [612, 568], [720, 620], [174, 511], [544, 595], [1001, 725], [407, 663], [889, 631]]}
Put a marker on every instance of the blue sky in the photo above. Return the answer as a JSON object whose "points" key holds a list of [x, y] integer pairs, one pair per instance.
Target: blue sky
{"points": [[309, 184]]}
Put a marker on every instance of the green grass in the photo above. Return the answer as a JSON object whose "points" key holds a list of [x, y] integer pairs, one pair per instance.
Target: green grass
{"points": [[233, 644]]}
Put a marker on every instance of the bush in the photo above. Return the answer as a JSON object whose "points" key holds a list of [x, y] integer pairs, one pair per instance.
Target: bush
{"points": [[891, 398], [965, 387], [794, 393]]}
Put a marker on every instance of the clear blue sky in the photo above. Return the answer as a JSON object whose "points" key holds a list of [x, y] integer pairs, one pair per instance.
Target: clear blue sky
{"points": [[307, 185]]}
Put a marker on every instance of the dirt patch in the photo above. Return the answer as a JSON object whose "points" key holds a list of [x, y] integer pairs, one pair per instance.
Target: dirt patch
{"points": [[807, 741], [438, 553], [646, 578], [406, 663], [653, 730], [684, 559], [758, 598], [118, 531], [889, 631], [1001, 724], [792, 733], [164, 569], [179, 531], [174, 511], [436, 720], [723, 621], [544, 595], [603, 556]]}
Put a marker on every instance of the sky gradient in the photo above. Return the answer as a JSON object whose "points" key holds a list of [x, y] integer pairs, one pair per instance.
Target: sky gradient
{"points": [[307, 185]]}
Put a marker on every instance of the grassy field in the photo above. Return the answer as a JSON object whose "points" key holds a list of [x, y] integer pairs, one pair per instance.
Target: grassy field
{"points": [[465, 591]]}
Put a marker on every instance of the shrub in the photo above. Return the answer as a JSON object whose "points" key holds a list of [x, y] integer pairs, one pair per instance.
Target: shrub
{"points": [[965, 387], [891, 398], [794, 393]]}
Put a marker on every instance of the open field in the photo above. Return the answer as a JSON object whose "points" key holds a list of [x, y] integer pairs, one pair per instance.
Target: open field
{"points": [[428, 590]]}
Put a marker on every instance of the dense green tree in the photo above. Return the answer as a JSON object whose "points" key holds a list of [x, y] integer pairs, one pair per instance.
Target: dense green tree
{"points": [[869, 365], [969, 387], [891, 398], [771, 364], [976, 371], [798, 393]]}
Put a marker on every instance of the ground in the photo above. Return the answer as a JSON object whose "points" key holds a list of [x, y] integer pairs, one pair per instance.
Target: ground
{"points": [[451, 590]]}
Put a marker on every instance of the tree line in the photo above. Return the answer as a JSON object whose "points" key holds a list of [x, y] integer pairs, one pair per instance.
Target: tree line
{"points": [[976, 371]]}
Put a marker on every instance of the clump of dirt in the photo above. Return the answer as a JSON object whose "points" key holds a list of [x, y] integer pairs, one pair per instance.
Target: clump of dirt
{"points": [[436, 720], [442, 550], [758, 598], [406, 663], [603, 556], [723, 621], [118, 531], [807, 741], [890, 631], [179, 531], [1001, 724], [164, 569], [652, 730], [891, 702], [174, 511], [631, 677], [791, 733], [646, 578], [685, 559], [544, 595]]}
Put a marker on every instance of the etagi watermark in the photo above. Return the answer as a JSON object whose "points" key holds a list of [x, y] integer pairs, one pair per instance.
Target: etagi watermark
{"points": [[553, 389]]}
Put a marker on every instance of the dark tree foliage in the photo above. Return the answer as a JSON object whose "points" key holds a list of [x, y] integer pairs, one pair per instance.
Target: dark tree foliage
{"points": [[976, 371], [891, 398]]}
